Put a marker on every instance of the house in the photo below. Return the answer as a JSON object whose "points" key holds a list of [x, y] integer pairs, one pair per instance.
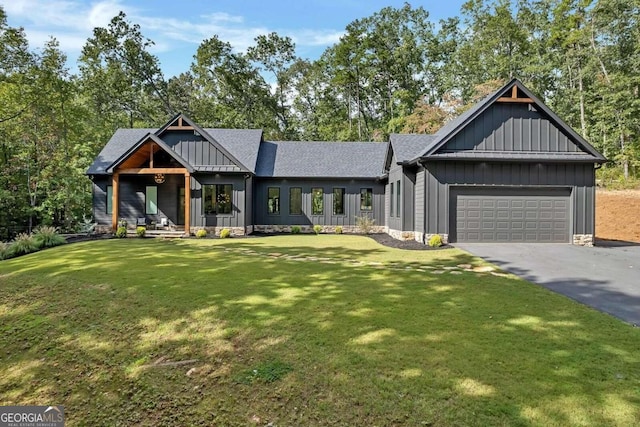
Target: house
{"points": [[507, 170]]}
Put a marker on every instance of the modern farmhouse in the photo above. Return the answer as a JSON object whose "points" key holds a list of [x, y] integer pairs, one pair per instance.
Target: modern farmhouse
{"points": [[507, 170]]}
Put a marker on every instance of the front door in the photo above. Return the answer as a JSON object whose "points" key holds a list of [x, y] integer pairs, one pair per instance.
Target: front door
{"points": [[181, 206]]}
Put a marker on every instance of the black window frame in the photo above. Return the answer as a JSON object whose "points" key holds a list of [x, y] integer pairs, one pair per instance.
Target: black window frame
{"points": [[273, 203], [340, 197], [215, 200], [398, 199], [366, 192], [291, 204], [314, 191], [391, 199], [109, 204]]}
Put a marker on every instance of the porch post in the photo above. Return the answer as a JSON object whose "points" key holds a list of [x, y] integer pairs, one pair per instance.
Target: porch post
{"points": [[114, 200], [187, 203]]}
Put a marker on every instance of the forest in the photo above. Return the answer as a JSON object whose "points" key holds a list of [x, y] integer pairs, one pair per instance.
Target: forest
{"points": [[394, 71]]}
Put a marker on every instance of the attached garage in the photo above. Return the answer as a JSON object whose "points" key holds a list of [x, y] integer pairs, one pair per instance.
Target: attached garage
{"points": [[532, 215]]}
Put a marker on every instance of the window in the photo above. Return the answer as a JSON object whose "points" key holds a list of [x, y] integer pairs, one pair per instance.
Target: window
{"points": [[273, 203], [151, 205], [109, 199], [295, 201], [391, 200], [366, 199], [217, 199], [397, 198], [338, 201], [317, 201]]}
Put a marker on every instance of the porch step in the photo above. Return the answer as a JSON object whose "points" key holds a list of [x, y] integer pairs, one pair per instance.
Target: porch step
{"points": [[175, 234]]}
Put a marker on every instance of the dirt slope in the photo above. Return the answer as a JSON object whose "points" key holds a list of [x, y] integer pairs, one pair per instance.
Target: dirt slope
{"points": [[618, 215]]}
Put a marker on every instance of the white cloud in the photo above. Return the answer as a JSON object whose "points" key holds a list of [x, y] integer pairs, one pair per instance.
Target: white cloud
{"points": [[72, 22]]}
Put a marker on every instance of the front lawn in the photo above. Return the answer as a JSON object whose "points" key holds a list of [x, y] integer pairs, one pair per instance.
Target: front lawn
{"points": [[303, 330]]}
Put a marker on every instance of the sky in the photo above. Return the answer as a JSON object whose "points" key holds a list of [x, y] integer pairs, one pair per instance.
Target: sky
{"points": [[178, 27]]}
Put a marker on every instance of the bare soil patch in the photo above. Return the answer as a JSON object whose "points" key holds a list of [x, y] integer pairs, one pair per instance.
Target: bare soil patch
{"points": [[618, 215]]}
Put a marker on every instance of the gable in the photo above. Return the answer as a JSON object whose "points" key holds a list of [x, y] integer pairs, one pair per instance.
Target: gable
{"points": [[149, 152], [195, 148], [511, 123], [506, 127]]}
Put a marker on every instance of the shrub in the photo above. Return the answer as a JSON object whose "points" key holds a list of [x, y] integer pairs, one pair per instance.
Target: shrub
{"points": [[122, 223], [201, 233], [339, 229], [435, 241], [121, 232], [4, 250], [296, 229], [48, 237], [225, 233], [23, 244], [141, 231], [365, 223], [317, 229]]}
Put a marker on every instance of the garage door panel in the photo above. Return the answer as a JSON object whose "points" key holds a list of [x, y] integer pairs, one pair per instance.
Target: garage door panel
{"points": [[510, 215]]}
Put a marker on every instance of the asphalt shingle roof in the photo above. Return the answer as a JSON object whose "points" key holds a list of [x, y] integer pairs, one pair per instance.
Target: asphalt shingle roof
{"points": [[407, 147], [120, 142], [243, 144], [321, 159]]}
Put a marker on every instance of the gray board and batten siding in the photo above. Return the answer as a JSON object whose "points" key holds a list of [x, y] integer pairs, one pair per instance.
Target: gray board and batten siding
{"points": [[446, 180], [352, 189]]}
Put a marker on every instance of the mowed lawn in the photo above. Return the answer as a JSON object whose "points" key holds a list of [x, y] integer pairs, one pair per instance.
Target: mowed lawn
{"points": [[303, 330]]}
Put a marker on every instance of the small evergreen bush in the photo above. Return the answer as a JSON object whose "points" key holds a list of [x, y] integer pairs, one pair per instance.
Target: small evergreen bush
{"points": [[317, 229], [296, 229], [23, 244], [225, 233], [339, 229], [121, 232], [48, 237], [435, 241], [141, 231], [201, 233]]}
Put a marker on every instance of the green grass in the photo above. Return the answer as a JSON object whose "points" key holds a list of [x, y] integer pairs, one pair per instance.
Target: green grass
{"points": [[303, 330]]}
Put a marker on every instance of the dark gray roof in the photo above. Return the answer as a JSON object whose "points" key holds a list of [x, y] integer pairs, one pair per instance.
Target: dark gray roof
{"points": [[321, 159], [121, 141], [243, 144], [407, 147]]}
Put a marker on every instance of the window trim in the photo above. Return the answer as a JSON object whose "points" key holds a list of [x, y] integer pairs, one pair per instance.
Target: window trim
{"points": [[313, 191], [291, 213], [398, 199], [333, 207], [276, 204], [216, 213], [370, 207], [109, 204], [150, 204]]}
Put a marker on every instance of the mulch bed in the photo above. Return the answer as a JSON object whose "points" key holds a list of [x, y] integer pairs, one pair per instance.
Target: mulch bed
{"points": [[386, 240]]}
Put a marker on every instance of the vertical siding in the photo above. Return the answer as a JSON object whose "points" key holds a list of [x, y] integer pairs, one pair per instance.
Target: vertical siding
{"points": [[237, 216], [195, 149], [351, 201], [579, 177], [100, 215], [511, 127], [408, 200]]}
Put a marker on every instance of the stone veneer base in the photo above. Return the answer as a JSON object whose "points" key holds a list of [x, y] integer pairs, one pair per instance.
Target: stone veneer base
{"points": [[583, 239], [347, 229]]}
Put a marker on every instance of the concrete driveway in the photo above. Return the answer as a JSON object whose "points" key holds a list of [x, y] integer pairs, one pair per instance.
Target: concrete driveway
{"points": [[604, 277]]}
